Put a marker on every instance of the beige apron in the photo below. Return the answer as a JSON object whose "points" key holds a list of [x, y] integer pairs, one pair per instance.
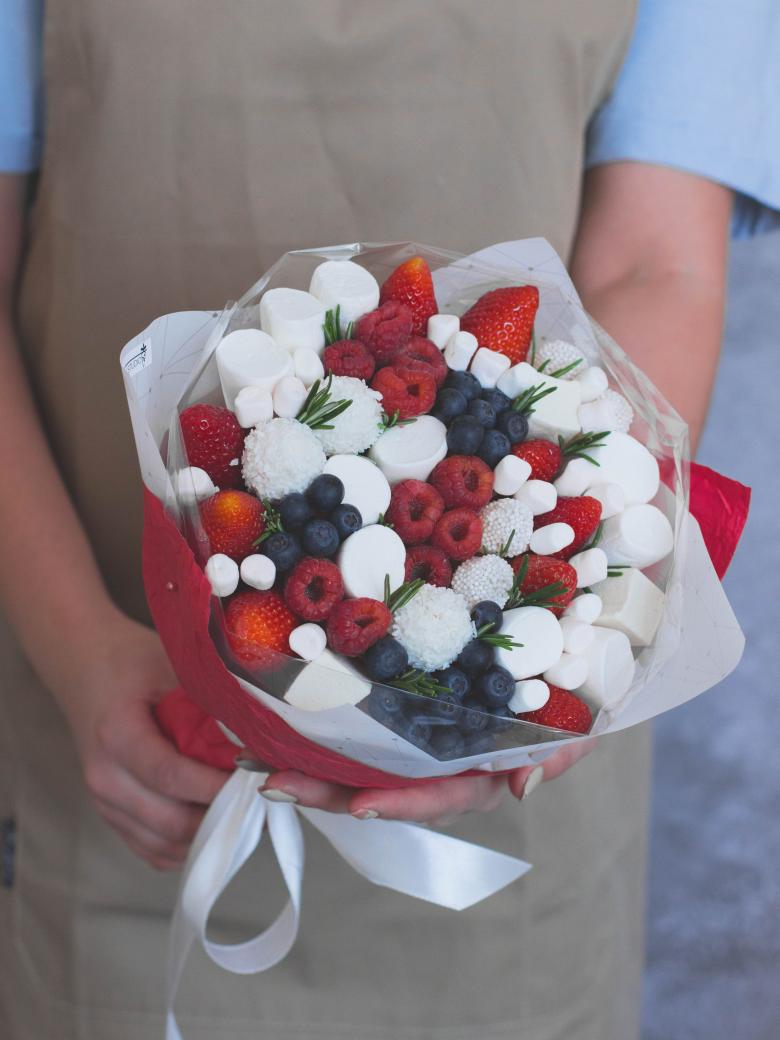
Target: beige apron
{"points": [[188, 145]]}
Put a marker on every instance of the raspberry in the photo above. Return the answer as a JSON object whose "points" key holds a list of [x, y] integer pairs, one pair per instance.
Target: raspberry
{"points": [[385, 330], [414, 509], [543, 457], [420, 349], [432, 565], [355, 624], [214, 442], [458, 534], [463, 480], [313, 589], [348, 357], [408, 391]]}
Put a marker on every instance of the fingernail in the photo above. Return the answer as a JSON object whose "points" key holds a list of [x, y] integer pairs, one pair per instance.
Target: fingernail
{"points": [[274, 794], [250, 764], [535, 777], [365, 814]]}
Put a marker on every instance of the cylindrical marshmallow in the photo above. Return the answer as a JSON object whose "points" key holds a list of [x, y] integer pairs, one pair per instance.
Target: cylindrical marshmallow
{"points": [[596, 416], [623, 460], [518, 378], [586, 608], [367, 556], [308, 641], [253, 405], [192, 485], [293, 318], [308, 366], [258, 571], [590, 565], [611, 668], [612, 498], [460, 349], [593, 382], [577, 636], [551, 539], [441, 328], [365, 485], [529, 695], [222, 573], [249, 357], [539, 495], [569, 673], [575, 478], [639, 536], [488, 366], [289, 395], [411, 451], [541, 641], [346, 285], [510, 475]]}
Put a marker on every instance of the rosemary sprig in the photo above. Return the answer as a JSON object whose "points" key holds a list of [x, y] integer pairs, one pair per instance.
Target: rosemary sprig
{"points": [[543, 365], [596, 536], [578, 447], [501, 640], [615, 570], [332, 327], [318, 409], [524, 402], [273, 522], [503, 552], [404, 594], [533, 345], [421, 683], [559, 373], [542, 597], [383, 521], [387, 422]]}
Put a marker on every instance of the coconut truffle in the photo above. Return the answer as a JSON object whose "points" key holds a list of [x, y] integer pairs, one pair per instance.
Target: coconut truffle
{"points": [[281, 456], [559, 354], [504, 519], [433, 627], [358, 426], [483, 577]]}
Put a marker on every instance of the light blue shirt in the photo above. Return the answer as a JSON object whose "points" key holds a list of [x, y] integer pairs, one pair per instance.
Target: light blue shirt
{"points": [[699, 90]]}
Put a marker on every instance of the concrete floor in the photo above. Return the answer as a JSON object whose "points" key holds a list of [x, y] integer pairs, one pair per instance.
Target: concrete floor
{"points": [[713, 970]]}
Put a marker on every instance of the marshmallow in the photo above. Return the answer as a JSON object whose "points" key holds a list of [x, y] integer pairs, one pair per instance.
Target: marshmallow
{"points": [[308, 366], [365, 485], [633, 605], [347, 285], [590, 565], [369, 554], [441, 328], [529, 695], [539, 495], [258, 571], [585, 608], [612, 498], [222, 573], [510, 475], [249, 357], [293, 318], [459, 351], [488, 365], [575, 478], [308, 641], [289, 395], [539, 632], [597, 415], [593, 382], [554, 415], [411, 451], [328, 682], [639, 536], [551, 539], [253, 405], [623, 460], [569, 673], [577, 636], [611, 668], [192, 485]]}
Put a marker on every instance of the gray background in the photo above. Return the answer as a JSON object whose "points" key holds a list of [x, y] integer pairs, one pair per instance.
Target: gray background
{"points": [[713, 939]]}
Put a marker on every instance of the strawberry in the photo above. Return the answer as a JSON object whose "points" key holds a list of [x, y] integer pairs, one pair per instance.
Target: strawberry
{"points": [[583, 514], [562, 711], [258, 627], [411, 283], [503, 320], [356, 624], [543, 457], [214, 442], [232, 522], [539, 573]]}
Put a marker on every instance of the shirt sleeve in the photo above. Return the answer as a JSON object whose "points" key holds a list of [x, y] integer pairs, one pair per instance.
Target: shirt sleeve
{"points": [[700, 91], [21, 24]]}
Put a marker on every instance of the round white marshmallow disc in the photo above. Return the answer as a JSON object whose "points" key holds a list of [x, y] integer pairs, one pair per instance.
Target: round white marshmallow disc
{"points": [[367, 556], [529, 695], [611, 668], [249, 357], [347, 285], [623, 460], [365, 485], [539, 632], [293, 318], [410, 452], [639, 536]]}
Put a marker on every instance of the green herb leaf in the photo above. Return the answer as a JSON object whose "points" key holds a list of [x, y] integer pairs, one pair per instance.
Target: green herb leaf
{"points": [[524, 402], [273, 522], [404, 594], [387, 422], [543, 365], [501, 640], [332, 327], [615, 570], [533, 345], [559, 373], [318, 410], [503, 552], [421, 683], [544, 597], [577, 447]]}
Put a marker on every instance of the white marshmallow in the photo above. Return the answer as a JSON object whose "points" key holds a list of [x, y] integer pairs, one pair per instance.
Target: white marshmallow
{"points": [[488, 366], [293, 318], [253, 405], [539, 632], [441, 328], [569, 673], [551, 538], [192, 485], [632, 604], [369, 554], [410, 452], [460, 349], [611, 668], [328, 682], [577, 636], [539, 495], [555, 414], [365, 485], [593, 382], [308, 366], [590, 565], [623, 460], [529, 695], [510, 475], [575, 478], [515, 380], [258, 571], [612, 498], [347, 285], [585, 608], [222, 573], [289, 395], [639, 536], [249, 357], [596, 416], [308, 641]]}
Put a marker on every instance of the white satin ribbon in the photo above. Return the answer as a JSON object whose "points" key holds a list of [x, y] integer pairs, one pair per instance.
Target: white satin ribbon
{"points": [[402, 856]]}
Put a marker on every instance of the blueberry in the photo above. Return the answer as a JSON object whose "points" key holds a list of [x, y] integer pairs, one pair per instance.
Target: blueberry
{"points": [[465, 382], [465, 435], [346, 519], [483, 412], [495, 445], [283, 548], [325, 492], [448, 743], [474, 719], [414, 729], [481, 744], [450, 403], [513, 424], [495, 687], [501, 719], [499, 401], [294, 511], [385, 659], [320, 538], [456, 680], [475, 657], [486, 612], [445, 706], [383, 703]]}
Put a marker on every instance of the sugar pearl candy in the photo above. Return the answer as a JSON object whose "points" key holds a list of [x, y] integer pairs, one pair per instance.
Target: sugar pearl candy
{"points": [[611, 668], [253, 405], [590, 565], [347, 285], [459, 351], [593, 382], [624, 461], [510, 475], [308, 366], [488, 366], [249, 357], [328, 682], [258, 571], [632, 604], [551, 539], [222, 573], [585, 608], [293, 318], [639, 536], [569, 673], [308, 641], [192, 485], [539, 495], [529, 695], [441, 328], [289, 395]]}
